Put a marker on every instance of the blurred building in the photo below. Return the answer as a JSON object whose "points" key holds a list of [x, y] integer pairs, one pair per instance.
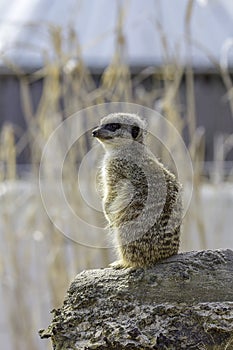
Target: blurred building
{"points": [[196, 34]]}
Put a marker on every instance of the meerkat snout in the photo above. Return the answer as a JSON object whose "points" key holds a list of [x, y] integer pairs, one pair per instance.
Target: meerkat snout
{"points": [[106, 131], [120, 130]]}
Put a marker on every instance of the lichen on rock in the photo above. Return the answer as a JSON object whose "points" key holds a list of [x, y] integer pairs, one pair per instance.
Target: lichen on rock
{"points": [[184, 302]]}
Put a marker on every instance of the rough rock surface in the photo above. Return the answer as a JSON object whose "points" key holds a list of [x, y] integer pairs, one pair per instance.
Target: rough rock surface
{"points": [[184, 302]]}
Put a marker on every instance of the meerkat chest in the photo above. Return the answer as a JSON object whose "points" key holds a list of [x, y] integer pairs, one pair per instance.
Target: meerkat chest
{"points": [[122, 180], [110, 176], [118, 190], [104, 178]]}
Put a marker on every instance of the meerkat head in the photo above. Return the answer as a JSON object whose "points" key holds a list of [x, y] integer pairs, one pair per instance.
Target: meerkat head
{"points": [[120, 129]]}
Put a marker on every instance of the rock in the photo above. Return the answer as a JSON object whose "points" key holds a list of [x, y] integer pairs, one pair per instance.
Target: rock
{"points": [[184, 302]]}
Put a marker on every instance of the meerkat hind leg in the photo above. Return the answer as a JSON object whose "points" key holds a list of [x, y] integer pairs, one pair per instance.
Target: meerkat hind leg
{"points": [[119, 264]]}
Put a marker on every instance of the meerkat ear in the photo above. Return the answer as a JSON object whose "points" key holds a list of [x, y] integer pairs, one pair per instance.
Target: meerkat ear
{"points": [[135, 131]]}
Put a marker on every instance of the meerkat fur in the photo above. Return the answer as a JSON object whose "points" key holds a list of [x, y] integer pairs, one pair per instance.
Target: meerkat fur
{"points": [[141, 198]]}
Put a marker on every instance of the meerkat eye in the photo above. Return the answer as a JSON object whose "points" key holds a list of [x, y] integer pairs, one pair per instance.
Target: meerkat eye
{"points": [[135, 131], [112, 126]]}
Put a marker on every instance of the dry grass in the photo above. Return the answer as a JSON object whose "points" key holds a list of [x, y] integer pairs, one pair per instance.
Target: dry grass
{"points": [[37, 261]]}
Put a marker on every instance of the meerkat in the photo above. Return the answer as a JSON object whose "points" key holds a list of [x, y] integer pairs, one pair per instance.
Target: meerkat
{"points": [[141, 198]]}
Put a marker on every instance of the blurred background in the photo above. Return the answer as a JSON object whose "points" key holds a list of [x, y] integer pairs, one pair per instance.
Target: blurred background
{"points": [[59, 57]]}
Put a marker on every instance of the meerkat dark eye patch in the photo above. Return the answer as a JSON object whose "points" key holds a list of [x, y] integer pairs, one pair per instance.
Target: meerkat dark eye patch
{"points": [[112, 126], [135, 131]]}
